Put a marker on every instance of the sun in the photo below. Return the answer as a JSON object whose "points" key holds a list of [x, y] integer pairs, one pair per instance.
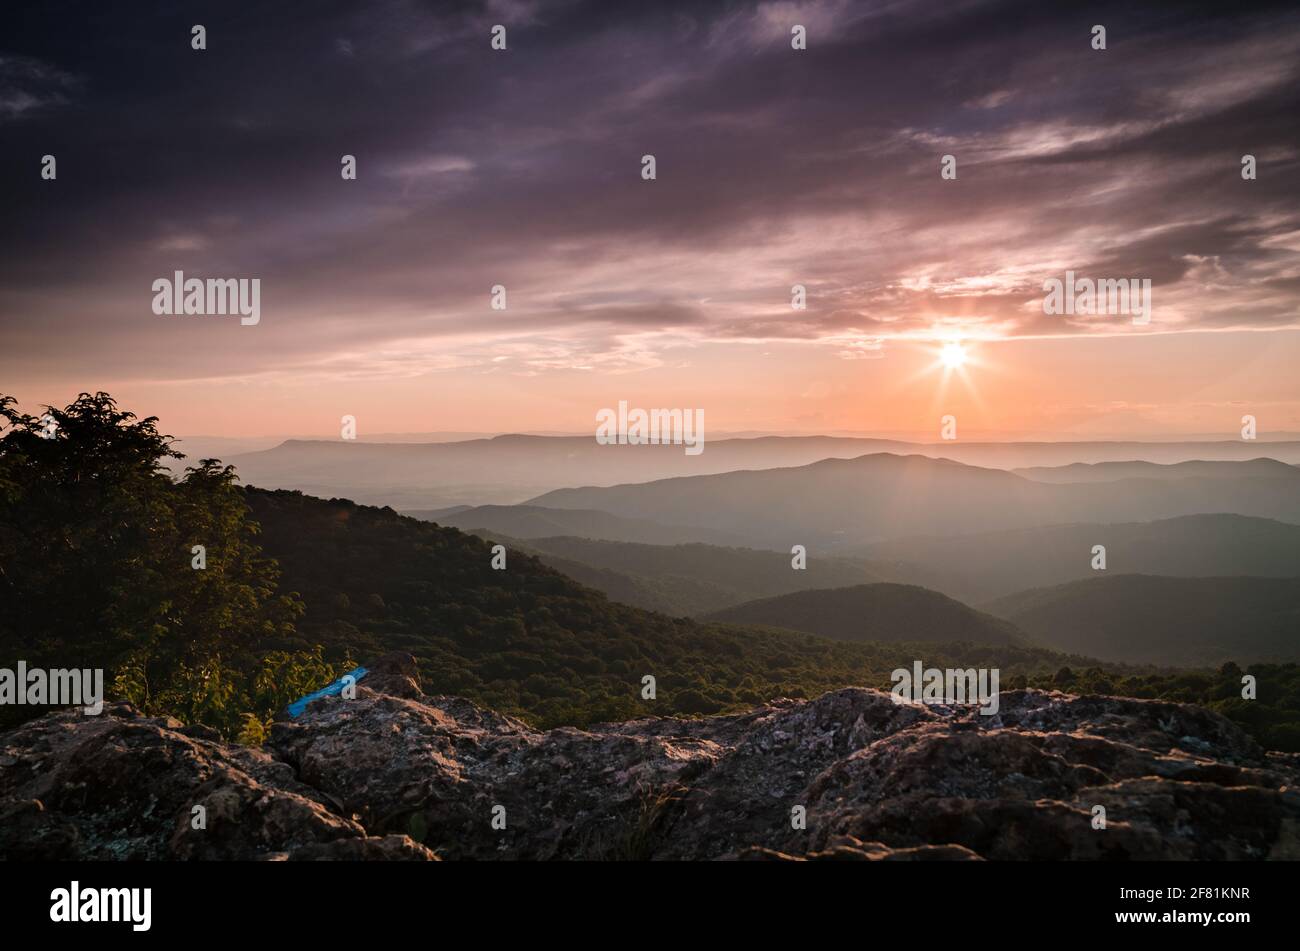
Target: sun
{"points": [[953, 356]]}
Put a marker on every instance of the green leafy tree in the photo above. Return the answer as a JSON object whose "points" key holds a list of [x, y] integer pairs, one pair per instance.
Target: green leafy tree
{"points": [[97, 568]]}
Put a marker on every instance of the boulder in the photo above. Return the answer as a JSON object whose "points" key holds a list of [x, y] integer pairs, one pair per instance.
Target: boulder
{"points": [[393, 774]]}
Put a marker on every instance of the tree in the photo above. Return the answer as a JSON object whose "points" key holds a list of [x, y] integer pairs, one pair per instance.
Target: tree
{"points": [[98, 564]]}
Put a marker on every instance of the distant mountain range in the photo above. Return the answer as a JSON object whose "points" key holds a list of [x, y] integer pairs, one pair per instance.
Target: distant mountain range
{"points": [[514, 468], [882, 613], [689, 579], [980, 567], [837, 503], [1262, 468], [1146, 619], [537, 643], [697, 579], [535, 521]]}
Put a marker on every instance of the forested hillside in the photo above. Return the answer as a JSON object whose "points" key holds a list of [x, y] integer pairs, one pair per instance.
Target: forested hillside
{"points": [[219, 604], [875, 612]]}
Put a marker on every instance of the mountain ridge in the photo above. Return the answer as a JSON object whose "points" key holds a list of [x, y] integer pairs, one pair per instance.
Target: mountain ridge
{"points": [[879, 613], [834, 502], [1189, 621]]}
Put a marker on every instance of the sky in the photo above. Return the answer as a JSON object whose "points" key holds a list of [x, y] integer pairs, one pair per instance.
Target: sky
{"points": [[774, 166]]}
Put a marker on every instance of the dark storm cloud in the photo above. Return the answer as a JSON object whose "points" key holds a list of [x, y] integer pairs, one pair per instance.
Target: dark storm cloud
{"points": [[522, 168]]}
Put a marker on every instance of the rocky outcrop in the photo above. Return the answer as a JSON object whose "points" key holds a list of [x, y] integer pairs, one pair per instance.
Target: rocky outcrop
{"points": [[395, 774], [123, 786]]}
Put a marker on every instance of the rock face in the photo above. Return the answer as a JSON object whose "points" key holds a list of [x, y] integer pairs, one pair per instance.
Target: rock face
{"points": [[395, 774]]}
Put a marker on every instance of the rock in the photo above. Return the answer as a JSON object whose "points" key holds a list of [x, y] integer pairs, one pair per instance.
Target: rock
{"points": [[397, 775], [122, 786], [848, 849], [390, 848], [396, 674]]}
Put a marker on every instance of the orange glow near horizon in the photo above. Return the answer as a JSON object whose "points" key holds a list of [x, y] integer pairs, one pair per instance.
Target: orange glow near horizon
{"points": [[1080, 388]]}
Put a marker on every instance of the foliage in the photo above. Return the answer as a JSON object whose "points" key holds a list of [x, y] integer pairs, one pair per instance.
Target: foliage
{"points": [[1188, 622], [95, 570], [96, 559], [239, 701], [531, 642]]}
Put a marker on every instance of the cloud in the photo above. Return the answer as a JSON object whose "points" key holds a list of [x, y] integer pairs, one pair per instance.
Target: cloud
{"points": [[522, 168], [28, 85]]}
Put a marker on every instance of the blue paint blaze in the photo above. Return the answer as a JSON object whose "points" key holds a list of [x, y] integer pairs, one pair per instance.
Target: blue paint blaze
{"points": [[298, 706]]}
